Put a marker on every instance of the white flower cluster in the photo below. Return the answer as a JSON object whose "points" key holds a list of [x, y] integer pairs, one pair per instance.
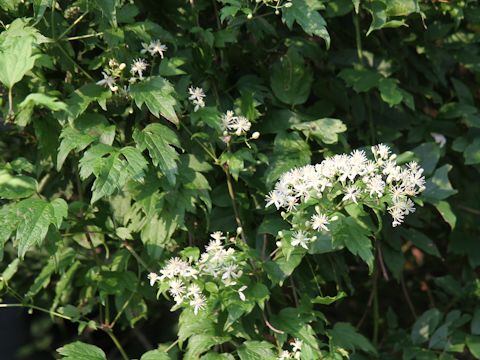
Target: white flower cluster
{"points": [[112, 74], [295, 353], [184, 279], [357, 179], [234, 124], [196, 97], [153, 48]]}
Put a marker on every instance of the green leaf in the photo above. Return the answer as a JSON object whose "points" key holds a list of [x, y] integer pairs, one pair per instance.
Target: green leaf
{"points": [[402, 7], [80, 99], [60, 211], [323, 130], [473, 343], [198, 344], [136, 163], [155, 355], [327, 300], [36, 216], [289, 151], [447, 213], [110, 177], [81, 351], [159, 140], [296, 323], [390, 92], [421, 241], [109, 10], [16, 186], [16, 48], [305, 13], [37, 99], [361, 80], [256, 350], [157, 93], [475, 324], [291, 78], [354, 236], [438, 187], [344, 335], [425, 326], [82, 132], [472, 152]]}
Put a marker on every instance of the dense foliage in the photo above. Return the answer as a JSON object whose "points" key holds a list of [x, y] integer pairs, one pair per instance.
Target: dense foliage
{"points": [[186, 156]]}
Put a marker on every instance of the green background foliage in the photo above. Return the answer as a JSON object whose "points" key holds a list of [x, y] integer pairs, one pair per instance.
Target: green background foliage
{"points": [[99, 188]]}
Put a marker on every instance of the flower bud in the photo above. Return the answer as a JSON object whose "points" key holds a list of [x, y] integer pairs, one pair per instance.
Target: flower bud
{"points": [[122, 66], [277, 12], [255, 135], [239, 230], [249, 16], [279, 244], [280, 233]]}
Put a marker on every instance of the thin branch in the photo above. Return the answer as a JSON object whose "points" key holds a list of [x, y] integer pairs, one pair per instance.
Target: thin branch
{"points": [[407, 297], [117, 343]]}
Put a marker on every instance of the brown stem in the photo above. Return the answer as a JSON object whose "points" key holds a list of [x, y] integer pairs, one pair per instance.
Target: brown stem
{"points": [[407, 297]]}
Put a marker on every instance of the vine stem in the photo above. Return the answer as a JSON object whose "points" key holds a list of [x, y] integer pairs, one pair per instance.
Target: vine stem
{"points": [[172, 345], [117, 343], [10, 101], [231, 192], [80, 18], [52, 313], [136, 256]]}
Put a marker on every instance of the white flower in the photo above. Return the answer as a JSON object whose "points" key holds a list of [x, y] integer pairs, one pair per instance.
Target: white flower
{"points": [[177, 288], [241, 125], [198, 303], [381, 151], [228, 119], [153, 277], [275, 197], [297, 345], [138, 67], [351, 193], [241, 294], [193, 290], [109, 81], [196, 97], [284, 355], [299, 238], [440, 139], [155, 47], [217, 236], [319, 221], [375, 185]]}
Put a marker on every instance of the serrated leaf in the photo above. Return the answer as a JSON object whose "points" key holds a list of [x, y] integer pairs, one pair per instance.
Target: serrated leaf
{"points": [[38, 99], [16, 52], [35, 215], [349, 232], [256, 350], [155, 355], [60, 210], [82, 132], [16, 186], [305, 13], [159, 140], [344, 335], [136, 163], [291, 78], [157, 94], [324, 130], [81, 98], [109, 177], [81, 351]]}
